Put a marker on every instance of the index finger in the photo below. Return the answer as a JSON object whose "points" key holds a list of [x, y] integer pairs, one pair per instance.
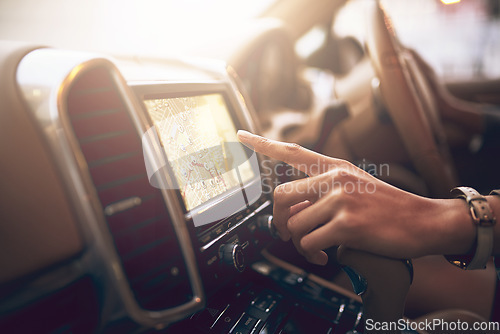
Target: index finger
{"points": [[305, 160]]}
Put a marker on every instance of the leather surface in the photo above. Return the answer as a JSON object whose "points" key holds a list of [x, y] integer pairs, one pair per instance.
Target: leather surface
{"points": [[484, 218], [405, 107], [37, 227]]}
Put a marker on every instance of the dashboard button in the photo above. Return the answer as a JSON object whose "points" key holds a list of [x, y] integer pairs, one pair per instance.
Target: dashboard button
{"points": [[207, 318], [266, 301], [218, 231], [226, 320], [245, 324], [205, 239]]}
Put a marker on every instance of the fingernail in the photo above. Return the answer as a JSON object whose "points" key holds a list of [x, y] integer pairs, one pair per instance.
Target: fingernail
{"points": [[245, 137], [243, 134], [319, 259], [285, 236]]}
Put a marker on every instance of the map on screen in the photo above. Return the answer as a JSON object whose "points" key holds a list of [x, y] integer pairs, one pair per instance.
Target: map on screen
{"points": [[199, 139]]}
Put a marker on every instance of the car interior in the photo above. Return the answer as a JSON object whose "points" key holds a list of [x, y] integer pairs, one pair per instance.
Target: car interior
{"points": [[127, 204]]}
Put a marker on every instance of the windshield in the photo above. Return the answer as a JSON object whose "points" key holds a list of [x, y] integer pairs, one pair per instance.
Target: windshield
{"points": [[124, 27], [460, 39]]}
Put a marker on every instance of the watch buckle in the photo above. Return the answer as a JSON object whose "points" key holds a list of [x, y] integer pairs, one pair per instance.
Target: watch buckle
{"points": [[486, 222]]}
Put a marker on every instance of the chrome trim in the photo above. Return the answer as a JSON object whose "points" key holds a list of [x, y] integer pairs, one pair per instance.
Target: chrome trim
{"points": [[213, 203], [228, 231], [122, 205], [141, 122], [220, 315], [340, 312], [257, 324], [44, 77], [237, 322]]}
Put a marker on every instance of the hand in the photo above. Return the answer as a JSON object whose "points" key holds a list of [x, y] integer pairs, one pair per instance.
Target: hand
{"points": [[342, 204]]}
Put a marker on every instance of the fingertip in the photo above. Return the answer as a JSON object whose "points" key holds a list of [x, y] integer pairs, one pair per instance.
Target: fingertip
{"points": [[285, 236], [246, 138], [320, 258], [296, 208], [244, 135]]}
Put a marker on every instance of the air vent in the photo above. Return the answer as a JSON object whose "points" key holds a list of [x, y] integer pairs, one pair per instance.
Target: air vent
{"points": [[135, 212]]}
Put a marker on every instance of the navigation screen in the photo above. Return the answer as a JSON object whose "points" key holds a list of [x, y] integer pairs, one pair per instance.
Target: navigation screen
{"points": [[199, 139]]}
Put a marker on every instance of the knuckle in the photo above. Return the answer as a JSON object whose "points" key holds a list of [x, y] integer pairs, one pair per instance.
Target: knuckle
{"points": [[344, 174], [345, 197], [348, 226], [348, 165], [348, 176], [292, 223], [295, 227], [279, 192], [340, 197], [336, 199], [342, 223], [334, 173], [306, 245], [293, 149], [264, 142]]}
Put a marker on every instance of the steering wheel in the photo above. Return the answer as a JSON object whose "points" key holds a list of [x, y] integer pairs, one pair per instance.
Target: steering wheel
{"points": [[410, 103]]}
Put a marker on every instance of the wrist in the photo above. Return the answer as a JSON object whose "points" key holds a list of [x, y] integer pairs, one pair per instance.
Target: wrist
{"points": [[483, 218], [455, 232]]}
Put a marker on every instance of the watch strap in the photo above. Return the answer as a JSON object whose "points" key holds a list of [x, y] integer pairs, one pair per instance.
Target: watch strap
{"points": [[497, 258], [484, 248], [484, 219]]}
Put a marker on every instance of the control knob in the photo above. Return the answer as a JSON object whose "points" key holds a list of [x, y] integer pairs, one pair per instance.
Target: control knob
{"points": [[232, 254], [265, 223]]}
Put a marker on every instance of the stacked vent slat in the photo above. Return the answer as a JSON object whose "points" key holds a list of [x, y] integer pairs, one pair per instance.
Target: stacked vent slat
{"points": [[143, 234]]}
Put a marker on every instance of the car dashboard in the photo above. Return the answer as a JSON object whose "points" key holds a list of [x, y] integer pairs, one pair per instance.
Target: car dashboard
{"points": [[130, 207]]}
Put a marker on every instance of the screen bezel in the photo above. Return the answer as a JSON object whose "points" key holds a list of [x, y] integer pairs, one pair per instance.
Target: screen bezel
{"points": [[179, 90]]}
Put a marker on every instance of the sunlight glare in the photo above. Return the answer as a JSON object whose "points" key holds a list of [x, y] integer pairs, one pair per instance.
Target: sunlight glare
{"points": [[125, 26]]}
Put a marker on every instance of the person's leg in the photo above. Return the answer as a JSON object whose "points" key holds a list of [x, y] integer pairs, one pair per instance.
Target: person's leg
{"points": [[438, 285]]}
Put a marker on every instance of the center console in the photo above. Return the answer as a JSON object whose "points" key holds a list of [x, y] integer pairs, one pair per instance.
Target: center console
{"points": [[215, 179], [174, 213], [220, 186]]}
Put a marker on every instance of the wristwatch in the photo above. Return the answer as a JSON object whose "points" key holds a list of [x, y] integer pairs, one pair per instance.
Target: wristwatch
{"points": [[484, 219]]}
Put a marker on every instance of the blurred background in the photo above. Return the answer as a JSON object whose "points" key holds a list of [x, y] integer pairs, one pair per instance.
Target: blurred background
{"points": [[460, 38]]}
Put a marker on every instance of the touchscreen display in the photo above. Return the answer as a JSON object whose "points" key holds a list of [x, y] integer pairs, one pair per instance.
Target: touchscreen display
{"points": [[199, 139]]}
